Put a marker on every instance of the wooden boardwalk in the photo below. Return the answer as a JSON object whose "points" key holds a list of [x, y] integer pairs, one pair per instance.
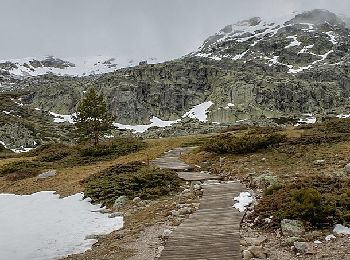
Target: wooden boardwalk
{"points": [[212, 232], [171, 160]]}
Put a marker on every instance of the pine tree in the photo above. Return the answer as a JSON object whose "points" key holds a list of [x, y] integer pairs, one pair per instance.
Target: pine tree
{"points": [[93, 120]]}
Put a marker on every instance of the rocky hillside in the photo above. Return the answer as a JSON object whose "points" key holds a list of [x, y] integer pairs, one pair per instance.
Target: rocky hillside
{"points": [[251, 70]]}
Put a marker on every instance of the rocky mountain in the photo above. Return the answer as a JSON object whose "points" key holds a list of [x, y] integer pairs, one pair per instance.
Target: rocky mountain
{"points": [[252, 70]]}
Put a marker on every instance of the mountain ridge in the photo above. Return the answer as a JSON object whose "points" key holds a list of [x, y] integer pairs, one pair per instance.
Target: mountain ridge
{"points": [[256, 75]]}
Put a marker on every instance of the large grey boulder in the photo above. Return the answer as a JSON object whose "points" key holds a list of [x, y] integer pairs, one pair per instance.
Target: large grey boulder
{"points": [[292, 228], [47, 174]]}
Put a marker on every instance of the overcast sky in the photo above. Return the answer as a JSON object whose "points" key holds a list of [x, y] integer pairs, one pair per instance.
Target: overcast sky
{"points": [[130, 28]]}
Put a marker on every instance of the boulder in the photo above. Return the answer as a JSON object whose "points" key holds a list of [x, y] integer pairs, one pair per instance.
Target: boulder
{"points": [[247, 255], [301, 247], [116, 214], [185, 210], [265, 180], [47, 174], [136, 199], [258, 252], [347, 168], [319, 162], [120, 202], [292, 228]]}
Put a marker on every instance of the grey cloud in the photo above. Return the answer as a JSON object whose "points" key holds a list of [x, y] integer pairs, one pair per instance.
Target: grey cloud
{"points": [[129, 28]]}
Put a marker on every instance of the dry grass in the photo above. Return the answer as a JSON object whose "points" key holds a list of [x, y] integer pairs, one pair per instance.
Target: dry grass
{"points": [[68, 180], [290, 161]]}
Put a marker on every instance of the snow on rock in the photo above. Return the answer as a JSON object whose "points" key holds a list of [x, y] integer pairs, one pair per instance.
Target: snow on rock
{"points": [[22, 149], [58, 118], [243, 201], [18, 102], [340, 229], [330, 237], [294, 43], [155, 122], [240, 56], [199, 112], [332, 37], [19, 149], [306, 48], [343, 116], [229, 105], [42, 226], [307, 119]]}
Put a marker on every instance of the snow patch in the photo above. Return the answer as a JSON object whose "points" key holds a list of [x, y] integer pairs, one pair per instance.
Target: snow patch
{"points": [[229, 105], [199, 112], [74, 66], [294, 43], [343, 116], [340, 229], [243, 201], [333, 38], [58, 118], [155, 122], [240, 56], [42, 226], [307, 119], [306, 48], [330, 237], [19, 149]]}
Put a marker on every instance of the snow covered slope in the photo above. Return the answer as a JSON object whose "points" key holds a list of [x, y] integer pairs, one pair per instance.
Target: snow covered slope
{"points": [[297, 42], [73, 66]]}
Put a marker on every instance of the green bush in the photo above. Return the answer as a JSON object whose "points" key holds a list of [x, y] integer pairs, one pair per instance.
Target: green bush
{"points": [[53, 152], [317, 200], [20, 170], [115, 147], [307, 204], [228, 143], [132, 180]]}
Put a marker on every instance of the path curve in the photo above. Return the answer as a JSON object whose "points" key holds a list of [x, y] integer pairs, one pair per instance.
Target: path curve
{"points": [[212, 232]]}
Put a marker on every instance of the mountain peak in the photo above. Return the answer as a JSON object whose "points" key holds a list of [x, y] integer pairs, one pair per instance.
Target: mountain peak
{"points": [[317, 17], [295, 43]]}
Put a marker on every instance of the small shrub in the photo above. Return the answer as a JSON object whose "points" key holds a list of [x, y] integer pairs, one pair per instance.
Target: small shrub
{"points": [[317, 200], [54, 152], [20, 170], [132, 180], [234, 128], [307, 204], [263, 130], [223, 144], [273, 188]]}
